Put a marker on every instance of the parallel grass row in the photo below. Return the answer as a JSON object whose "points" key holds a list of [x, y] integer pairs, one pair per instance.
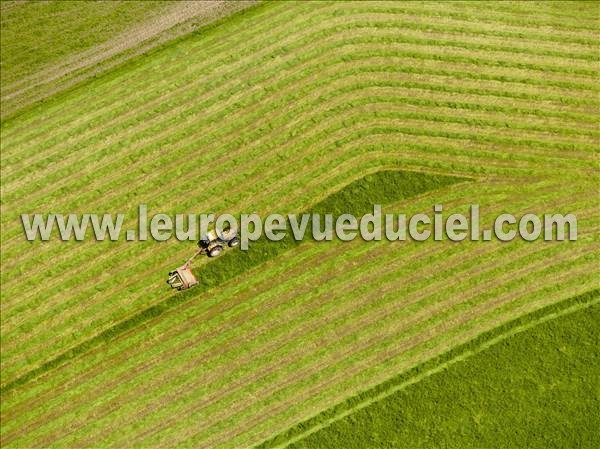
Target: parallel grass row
{"points": [[357, 198], [523, 372], [158, 60], [279, 121], [142, 353]]}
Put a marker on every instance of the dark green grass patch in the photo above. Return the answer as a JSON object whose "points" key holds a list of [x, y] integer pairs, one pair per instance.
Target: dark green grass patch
{"points": [[539, 388], [384, 187], [357, 198]]}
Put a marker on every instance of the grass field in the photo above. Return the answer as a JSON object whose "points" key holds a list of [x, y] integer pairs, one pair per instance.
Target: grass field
{"points": [[49, 47], [513, 386], [275, 109]]}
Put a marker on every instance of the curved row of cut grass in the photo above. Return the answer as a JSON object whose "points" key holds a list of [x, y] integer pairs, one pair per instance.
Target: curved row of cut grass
{"points": [[45, 162], [83, 294], [296, 116], [146, 261], [119, 94]]}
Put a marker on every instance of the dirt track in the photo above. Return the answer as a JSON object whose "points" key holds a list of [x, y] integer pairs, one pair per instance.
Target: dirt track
{"points": [[179, 18]]}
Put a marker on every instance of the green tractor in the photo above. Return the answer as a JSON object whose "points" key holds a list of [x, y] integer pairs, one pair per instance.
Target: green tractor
{"points": [[212, 245]]}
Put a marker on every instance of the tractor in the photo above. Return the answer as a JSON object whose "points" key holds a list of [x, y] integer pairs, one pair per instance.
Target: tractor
{"points": [[215, 241], [212, 245]]}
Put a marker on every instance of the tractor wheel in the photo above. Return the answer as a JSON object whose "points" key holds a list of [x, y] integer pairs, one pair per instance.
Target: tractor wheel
{"points": [[216, 251], [234, 242]]}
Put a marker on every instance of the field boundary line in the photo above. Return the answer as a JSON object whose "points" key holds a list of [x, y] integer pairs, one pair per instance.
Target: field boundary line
{"points": [[514, 327], [74, 74]]}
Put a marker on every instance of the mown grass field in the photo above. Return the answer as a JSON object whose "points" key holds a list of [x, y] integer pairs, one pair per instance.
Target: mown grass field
{"points": [[511, 387], [274, 110]]}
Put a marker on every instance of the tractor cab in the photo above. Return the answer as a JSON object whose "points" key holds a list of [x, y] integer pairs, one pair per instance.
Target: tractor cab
{"points": [[215, 241]]}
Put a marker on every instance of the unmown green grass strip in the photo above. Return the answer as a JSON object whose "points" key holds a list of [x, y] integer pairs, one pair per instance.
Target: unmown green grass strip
{"points": [[404, 184], [201, 311], [361, 321], [261, 273], [431, 367], [285, 415], [257, 412], [374, 133], [375, 374], [266, 399]]}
